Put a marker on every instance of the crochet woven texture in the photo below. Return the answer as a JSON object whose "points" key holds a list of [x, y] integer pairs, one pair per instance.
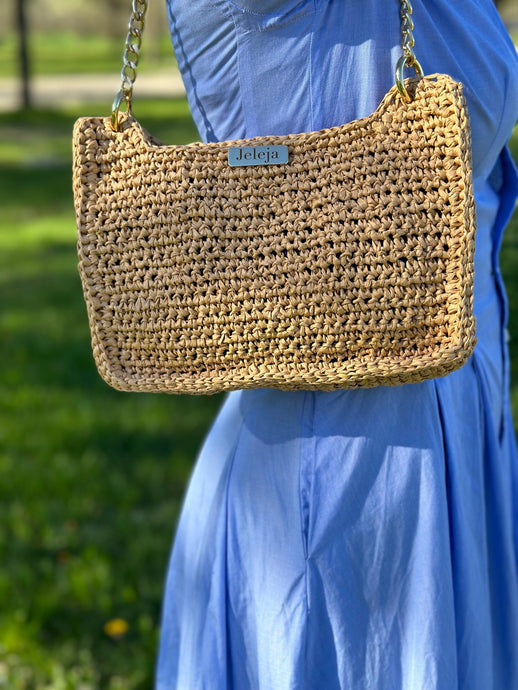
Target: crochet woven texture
{"points": [[349, 266]]}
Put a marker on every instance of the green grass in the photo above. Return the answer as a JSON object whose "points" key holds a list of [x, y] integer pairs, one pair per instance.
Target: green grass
{"points": [[508, 263], [91, 479], [72, 53]]}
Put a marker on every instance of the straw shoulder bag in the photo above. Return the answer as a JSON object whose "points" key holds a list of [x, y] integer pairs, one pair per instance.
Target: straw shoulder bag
{"points": [[333, 259]]}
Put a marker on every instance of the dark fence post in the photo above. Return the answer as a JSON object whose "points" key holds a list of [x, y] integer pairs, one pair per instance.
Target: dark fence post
{"points": [[23, 53]]}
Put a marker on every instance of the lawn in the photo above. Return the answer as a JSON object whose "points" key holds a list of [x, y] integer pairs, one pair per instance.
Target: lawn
{"points": [[91, 479], [81, 54]]}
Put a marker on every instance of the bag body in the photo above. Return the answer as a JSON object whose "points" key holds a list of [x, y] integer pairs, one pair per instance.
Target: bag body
{"points": [[350, 265]]}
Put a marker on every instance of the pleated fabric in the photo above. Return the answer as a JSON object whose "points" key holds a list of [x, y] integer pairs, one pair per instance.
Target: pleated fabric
{"points": [[367, 539]]}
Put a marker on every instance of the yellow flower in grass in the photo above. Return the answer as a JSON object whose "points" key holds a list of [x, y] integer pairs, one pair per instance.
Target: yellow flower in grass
{"points": [[116, 627]]}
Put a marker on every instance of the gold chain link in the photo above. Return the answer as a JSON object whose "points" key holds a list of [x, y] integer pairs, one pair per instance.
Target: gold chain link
{"points": [[408, 59], [407, 28], [130, 60]]}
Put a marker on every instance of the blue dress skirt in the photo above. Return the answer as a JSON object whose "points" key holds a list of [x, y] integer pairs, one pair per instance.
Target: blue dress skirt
{"points": [[367, 539]]}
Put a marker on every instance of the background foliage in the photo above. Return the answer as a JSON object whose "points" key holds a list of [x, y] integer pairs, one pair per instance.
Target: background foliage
{"points": [[91, 479]]}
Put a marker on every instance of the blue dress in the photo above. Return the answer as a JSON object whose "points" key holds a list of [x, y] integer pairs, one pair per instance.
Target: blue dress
{"points": [[368, 539]]}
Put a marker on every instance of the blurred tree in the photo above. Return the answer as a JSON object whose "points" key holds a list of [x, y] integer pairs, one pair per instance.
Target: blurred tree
{"points": [[23, 53]]}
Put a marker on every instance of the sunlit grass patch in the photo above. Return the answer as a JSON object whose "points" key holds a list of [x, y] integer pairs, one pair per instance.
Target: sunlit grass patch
{"points": [[76, 53]]}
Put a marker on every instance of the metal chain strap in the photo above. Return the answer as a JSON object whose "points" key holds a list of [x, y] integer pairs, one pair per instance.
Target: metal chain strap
{"points": [[408, 59], [134, 41], [130, 60]]}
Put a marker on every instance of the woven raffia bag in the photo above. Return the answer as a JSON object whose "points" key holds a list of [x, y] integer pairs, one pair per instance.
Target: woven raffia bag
{"points": [[213, 267]]}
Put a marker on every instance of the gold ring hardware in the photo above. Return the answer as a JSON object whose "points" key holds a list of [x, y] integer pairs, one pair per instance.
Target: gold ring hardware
{"points": [[405, 61], [129, 61], [408, 59], [116, 106]]}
